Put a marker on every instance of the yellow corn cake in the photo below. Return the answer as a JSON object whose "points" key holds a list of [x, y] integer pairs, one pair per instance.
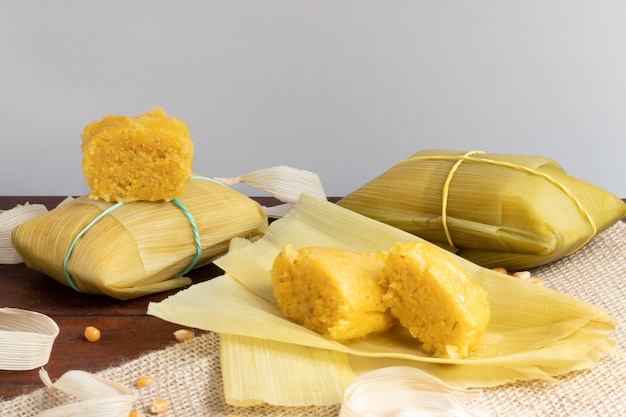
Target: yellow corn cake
{"points": [[332, 291], [432, 296], [143, 158]]}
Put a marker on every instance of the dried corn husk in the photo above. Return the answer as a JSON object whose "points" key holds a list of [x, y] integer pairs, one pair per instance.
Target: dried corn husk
{"points": [[403, 391], [26, 339], [130, 250], [534, 333], [283, 182], [497, 210], [9, 220], [98, 397]]}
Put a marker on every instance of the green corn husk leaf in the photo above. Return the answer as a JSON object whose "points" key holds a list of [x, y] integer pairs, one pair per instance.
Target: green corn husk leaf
{"points": [[497, 210], [137, 248], [534, 332]]}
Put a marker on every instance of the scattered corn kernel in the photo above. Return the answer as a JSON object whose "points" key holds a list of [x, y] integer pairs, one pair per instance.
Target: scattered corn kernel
{"points": [[159, 405], [135, 413], [144, 381], [92, 334], [183, 335], [525, 275]]}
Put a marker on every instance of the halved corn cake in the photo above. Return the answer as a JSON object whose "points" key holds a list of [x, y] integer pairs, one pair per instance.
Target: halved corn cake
{"points": [[332, 291], [432, 296]]}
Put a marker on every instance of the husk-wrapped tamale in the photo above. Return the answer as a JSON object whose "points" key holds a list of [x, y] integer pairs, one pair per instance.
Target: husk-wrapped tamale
{"points": [[127, 250], [497, 210]]}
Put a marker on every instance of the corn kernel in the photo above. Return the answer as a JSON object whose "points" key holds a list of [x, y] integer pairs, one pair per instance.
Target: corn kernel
{"points": [[135, 413], [144, 381], [183, 335], [92, 334], [501, 270], [525, 275], [159, 405], [536, 281]]}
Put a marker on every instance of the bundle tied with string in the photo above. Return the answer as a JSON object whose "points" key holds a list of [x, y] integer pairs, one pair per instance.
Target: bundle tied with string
{"points": [[148, 219], [127, 250], [496, 210]]}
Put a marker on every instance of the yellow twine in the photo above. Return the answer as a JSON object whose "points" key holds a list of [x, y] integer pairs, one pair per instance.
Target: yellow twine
{"points": [[446, 193]]}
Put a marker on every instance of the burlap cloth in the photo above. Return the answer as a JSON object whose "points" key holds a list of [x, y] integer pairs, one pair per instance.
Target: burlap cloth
{"points": [[189, 374]]}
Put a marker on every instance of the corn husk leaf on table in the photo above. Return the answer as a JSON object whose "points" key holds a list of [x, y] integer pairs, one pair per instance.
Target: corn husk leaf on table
{"points": [[11, 218], [96, 396], [497, 210], [534, 333]]}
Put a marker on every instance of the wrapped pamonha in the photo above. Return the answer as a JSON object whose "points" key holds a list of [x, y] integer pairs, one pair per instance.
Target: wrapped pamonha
{"points": [[495, 210], [143, 158]]}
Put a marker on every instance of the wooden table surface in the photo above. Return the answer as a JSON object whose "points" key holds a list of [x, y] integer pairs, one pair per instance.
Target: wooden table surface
{"points": [[127, 332]]}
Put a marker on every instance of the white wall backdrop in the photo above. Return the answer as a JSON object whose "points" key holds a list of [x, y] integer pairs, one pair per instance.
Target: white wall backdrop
{"points": [[341, 88]]}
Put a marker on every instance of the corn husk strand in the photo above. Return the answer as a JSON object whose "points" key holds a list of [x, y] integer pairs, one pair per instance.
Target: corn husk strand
{"points": [[534, 332], [97, 397], [282, 182], [137, 248], [26, 339], [9, 220], [400, 391], [497, 210]]}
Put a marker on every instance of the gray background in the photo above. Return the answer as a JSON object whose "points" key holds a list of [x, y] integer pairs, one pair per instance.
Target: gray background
{"points": [[342, 88]]}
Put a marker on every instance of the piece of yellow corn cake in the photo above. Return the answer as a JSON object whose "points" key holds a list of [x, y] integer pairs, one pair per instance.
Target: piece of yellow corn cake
{"points": [[432, 296], [332, 291], [143, 158]]}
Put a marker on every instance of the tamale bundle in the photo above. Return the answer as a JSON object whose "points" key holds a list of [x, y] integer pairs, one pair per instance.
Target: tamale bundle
{"points": [[127, 250], [148, 220], [496, 210]]}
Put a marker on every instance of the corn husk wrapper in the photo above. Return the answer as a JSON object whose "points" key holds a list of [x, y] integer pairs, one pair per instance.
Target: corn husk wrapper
{"points": [[534, 332], [137, 248], [497, 210], [26, 339], [97, 397]]}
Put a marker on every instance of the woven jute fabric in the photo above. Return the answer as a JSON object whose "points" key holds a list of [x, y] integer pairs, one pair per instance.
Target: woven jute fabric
{"points": [[189, 374]]}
